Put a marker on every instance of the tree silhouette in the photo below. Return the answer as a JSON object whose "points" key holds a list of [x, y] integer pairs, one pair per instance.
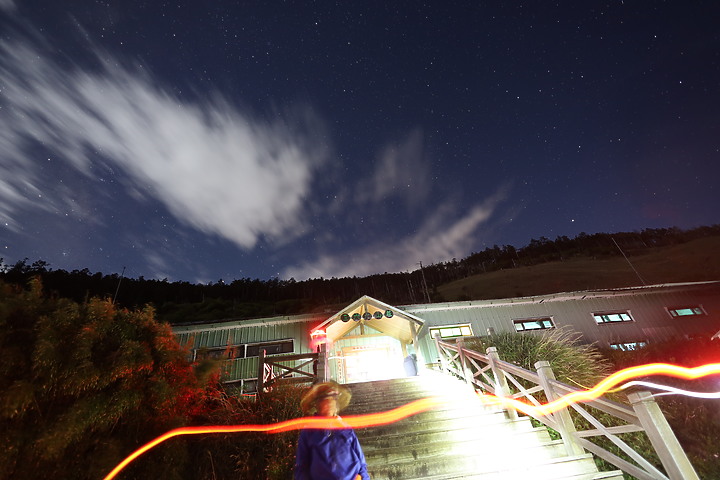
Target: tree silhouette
{"points": [[181, 302]]}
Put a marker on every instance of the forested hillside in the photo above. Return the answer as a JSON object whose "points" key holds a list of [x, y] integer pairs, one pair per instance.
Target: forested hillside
{"points": [[542, 266]]}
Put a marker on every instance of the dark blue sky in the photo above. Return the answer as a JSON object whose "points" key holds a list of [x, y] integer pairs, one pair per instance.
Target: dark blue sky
{"points": [[206, 140]]}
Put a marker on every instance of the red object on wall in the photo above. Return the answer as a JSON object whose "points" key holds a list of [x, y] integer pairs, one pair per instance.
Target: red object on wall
{"points": [[317, 337]]}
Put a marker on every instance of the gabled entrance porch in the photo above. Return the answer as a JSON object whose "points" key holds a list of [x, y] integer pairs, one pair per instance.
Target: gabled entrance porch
{"points": [[370, 340]]}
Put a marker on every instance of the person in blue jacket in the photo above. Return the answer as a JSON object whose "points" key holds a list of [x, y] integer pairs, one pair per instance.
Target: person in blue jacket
{"points": [[333, 454]]}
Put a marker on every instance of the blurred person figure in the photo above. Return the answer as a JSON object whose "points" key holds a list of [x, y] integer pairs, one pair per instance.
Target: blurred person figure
{"points": [[332, 454]]}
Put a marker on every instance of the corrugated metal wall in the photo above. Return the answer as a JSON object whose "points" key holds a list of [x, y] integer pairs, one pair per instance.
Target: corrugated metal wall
{"points": [[235, 333], [239, 334], [648, 307], [652, 321]]}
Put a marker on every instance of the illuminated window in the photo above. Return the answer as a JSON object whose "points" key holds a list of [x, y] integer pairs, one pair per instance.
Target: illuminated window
{"points": [[271, 348], [686, 311], [452, 331], [542, 323], [612, 317], [628, 347]]}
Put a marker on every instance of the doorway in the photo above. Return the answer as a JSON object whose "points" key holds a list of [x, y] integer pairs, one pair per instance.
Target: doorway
{"points": [[371, 362]]}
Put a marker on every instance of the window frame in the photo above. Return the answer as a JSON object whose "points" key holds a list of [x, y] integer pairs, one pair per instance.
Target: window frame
{"points": [[603, 313], [439, 329], [290, 341], [637, 345], [523, 321], [220, 353], [242, 350], [675, 309]]}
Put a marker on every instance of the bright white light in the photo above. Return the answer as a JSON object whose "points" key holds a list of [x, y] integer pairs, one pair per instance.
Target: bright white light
{"points": [[671, 390]]}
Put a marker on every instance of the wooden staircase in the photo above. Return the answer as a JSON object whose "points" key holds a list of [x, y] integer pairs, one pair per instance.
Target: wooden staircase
{"points": [[462, 440]]}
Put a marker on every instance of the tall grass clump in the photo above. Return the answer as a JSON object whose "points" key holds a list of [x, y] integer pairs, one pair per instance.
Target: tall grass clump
{"points": [[573, 362]]}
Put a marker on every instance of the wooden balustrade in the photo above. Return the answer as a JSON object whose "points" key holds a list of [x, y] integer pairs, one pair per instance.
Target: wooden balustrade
{"points": [[272, 370], [488, 373]]}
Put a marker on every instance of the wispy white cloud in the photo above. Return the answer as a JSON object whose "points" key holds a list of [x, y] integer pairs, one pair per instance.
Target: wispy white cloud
{"points": [[401, 170], [438, 239], [17, 190], [8, 5], [122, 135], [213, 166]]}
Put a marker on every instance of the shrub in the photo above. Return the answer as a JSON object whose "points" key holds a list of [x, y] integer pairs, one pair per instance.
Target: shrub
{"points": [[83, 385], [248, 454]]}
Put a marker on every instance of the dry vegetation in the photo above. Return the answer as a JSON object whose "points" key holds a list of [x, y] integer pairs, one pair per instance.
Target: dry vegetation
{"points": [[697, 260]]}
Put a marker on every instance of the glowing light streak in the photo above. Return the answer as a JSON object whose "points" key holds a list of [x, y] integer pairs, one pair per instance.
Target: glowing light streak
{"points": [[418, 406], [670, 390], [610, 382], [355, 421]]}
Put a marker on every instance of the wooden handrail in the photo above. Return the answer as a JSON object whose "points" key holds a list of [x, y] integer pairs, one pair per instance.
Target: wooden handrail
{"points": [[290, 374], [644, 415], [292, 356]]}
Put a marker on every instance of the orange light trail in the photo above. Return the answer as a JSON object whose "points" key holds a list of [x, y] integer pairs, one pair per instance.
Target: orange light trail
{"points": [[328, 423], [608, 383], [418, 406]]}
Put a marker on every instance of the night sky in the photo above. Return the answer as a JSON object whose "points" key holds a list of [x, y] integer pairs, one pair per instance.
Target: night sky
{"points": [[201, 141]]}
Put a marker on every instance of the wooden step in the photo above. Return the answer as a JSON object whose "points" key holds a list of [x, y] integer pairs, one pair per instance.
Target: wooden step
{"points": [[510, 466], [479, 447], [435, 421], [420, 437], [461, 438], [613, 475]]}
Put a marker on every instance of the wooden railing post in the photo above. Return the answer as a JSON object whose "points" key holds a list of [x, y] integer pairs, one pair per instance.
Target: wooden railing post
{"points": [[501, 385], [671, 454], [466, 372], [261, 374], [322, 371], [562, 417], [443, 361]]}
